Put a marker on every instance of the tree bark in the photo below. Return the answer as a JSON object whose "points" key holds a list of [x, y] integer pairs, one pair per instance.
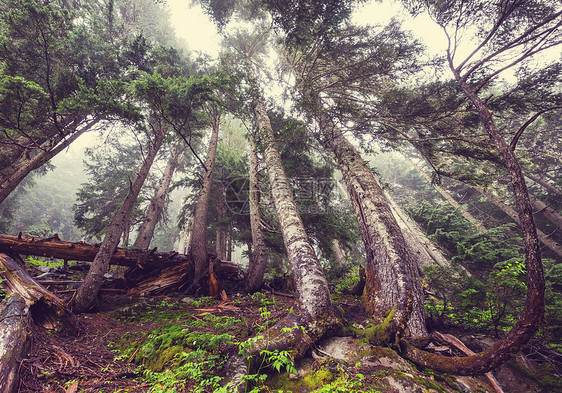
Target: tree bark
{"points": [[420, 247], [10, 179], [542, 237], [550, 214], [393, 282], [14, 335], [198, 244], [46, 309], [86, 295], [220, 241], [543, 183], [158, 201], [55, 248], [258, 257], [533, 312], [312, 292]]}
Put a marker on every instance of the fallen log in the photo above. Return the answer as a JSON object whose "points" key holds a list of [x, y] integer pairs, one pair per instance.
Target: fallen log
{"points": [[14, 334], [53, 247], [150, 271], [46, 309]]}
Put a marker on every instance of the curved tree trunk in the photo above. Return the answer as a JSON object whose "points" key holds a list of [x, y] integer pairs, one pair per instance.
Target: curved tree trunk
{"points": [[393, 281], [86, 296], [533, 312], [158, 202], [258, 257], [198, 244], [13, 176]]}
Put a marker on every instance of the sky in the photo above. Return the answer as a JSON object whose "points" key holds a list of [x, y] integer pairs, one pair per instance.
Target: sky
{"points": [[200, 34]]}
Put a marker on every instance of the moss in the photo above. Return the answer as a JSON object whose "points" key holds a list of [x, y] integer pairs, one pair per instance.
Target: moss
{"points": [[543, 375], [378, 334], [307, 383], [162, 358]]}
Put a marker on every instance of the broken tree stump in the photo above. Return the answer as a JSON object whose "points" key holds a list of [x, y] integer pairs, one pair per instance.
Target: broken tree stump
{"points": [[46, 309], [14, 334]]}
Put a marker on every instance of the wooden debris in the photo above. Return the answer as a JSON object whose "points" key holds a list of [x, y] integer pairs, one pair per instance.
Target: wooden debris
{"points": [[14, 321], [46, 309], [452, 340]]}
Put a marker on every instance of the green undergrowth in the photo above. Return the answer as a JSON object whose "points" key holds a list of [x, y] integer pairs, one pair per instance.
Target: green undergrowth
{"points": [[188, 349]]}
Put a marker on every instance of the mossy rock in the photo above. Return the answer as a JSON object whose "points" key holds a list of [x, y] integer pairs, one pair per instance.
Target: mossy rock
{"points": [[162, 358]]}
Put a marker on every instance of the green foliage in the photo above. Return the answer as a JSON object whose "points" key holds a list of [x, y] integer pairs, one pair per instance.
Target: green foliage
{"points": [[348, 281]]}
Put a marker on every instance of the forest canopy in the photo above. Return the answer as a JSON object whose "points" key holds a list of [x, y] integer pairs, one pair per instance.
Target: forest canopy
{"points": [[313, 155]]}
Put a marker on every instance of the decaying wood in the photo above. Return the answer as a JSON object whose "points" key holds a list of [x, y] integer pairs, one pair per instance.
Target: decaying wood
{"points": [[452, 340], [155, 278], [53, 247], [46, 309], [14, 322]]}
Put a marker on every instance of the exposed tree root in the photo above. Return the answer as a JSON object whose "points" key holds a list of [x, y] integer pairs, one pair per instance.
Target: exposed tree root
{"points": [[295, 333]]}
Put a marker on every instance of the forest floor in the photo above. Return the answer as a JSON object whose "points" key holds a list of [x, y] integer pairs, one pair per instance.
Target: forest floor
{"points": [[165, 344], [130, 342]]}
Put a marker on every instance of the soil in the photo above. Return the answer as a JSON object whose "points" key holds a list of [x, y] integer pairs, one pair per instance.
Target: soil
{"points": [[81, 360]]}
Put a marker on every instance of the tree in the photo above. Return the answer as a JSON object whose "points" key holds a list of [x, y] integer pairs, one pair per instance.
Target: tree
{"points": [[155, 209], [198, 243], [50, 89], [258, 257], [509, 33], [86, 295], [327, 88]]}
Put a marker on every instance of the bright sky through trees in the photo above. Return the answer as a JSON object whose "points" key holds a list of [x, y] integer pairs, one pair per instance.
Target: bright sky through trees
{"points": [[200, 33]]}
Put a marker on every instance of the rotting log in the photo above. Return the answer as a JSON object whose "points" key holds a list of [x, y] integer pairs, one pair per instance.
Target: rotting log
{"points": [[149, 270], [53, 247], [46, 309], [14, 334]]}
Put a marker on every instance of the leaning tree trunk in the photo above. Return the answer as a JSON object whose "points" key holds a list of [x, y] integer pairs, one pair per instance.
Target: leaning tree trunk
{"points": [[549, 213], [12, 177], [445, 194], [198, 244], [220, 241], [533, 312], [14, 335], [544, 184], [314, 315], [158, 202], [258, 257], [543, 237], [393, 285], [86, 296]]}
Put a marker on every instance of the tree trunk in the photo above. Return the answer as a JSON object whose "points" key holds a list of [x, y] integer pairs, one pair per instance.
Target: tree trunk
{"points": [[258, 257], [158, 201], [14, 335], [314, 315], [184, 241], [13, 176], [55, 248], [550, 214], [86, 296], [312, 292], [229, 243], [420, 247], [445, 194], [46, 309], [393, 281], [220, 242], [198, 244], [542, 237], [543, 183], [533, 312]]}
